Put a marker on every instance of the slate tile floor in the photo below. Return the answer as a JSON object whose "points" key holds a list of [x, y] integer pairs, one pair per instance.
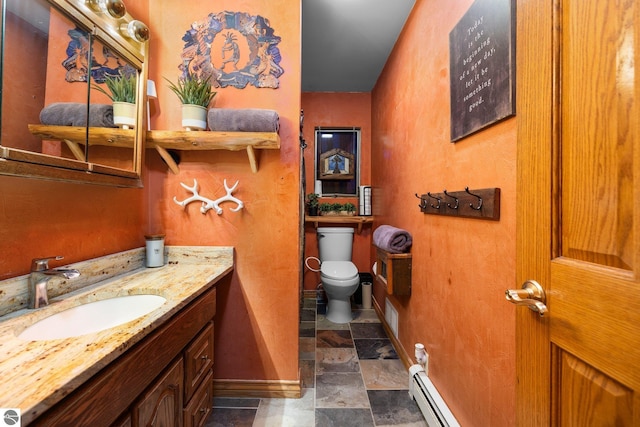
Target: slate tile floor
{"points": [[351, 376]]}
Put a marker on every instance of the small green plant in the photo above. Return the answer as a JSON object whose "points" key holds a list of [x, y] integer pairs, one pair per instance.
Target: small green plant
{"points": [[325, 207], [312, 200], [193, 90], [349, 207], [122, 88], [336, 207]]}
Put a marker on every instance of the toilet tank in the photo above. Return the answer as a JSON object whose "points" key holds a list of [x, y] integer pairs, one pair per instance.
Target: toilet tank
{"points": [[335, 243]]}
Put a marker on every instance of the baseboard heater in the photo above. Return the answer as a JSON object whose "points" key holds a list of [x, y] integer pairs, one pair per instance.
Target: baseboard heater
{"points": [[434, 409]]}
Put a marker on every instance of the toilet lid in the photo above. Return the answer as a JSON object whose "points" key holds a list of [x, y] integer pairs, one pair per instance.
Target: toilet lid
{"points": [[338, 269]]}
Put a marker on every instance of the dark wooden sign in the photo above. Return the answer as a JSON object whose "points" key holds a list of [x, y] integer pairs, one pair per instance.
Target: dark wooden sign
{"points": [[482, 67]]}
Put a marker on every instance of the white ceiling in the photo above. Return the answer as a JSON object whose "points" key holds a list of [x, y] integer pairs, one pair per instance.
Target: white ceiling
{"points": [[345, 43]]}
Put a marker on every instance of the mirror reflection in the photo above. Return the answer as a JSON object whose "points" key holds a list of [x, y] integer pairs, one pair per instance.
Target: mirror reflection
{"points": [[113, 104], [31, 75], [63, 89]]}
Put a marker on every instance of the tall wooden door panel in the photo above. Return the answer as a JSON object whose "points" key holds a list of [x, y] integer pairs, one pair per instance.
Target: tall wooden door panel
{"points": [[579, 211]]}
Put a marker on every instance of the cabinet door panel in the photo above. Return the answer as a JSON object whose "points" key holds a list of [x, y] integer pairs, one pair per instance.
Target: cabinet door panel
{"points": [[198, 361], [199, 409], [161, 405], [123, 422]]}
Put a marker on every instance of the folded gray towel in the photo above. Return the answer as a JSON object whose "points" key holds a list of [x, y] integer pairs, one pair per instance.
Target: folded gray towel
{"points": [[75, 114], [243, 120], [392, 239]]}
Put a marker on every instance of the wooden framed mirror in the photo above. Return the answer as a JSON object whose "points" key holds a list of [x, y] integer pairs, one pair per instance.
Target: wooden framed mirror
{"points": [[59, 60]]}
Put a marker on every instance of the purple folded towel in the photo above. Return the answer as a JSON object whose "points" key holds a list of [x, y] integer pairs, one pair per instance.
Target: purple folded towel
{"points": [[75, 114], [392, 239], [242, 120]]}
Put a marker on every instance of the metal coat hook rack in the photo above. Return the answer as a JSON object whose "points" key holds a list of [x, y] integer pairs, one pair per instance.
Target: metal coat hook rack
{"points": [[481, 204]]}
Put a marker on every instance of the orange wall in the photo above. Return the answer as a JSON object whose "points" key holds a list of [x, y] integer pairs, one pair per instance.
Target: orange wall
{"points": [[257, 322], [337, 110], [461, 267], [258, 312], [26, 96], [79, 221]]}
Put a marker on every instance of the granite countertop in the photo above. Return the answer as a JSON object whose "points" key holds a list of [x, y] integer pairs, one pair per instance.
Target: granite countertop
{"points": [[38, 374]]}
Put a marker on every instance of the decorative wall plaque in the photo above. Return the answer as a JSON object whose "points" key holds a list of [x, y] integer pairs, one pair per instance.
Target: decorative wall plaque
{"points": [[103, 63], [482, 67], [336, 164], [235, 49]]}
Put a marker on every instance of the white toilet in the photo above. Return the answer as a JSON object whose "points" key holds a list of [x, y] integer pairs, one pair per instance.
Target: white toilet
{"points": [[338, 274]]}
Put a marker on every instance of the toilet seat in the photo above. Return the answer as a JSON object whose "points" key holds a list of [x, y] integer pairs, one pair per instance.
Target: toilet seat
{"points": [[338, 270]]}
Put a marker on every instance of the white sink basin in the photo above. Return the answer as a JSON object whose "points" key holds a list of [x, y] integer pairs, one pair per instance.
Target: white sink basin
{"points": [[92, 317]]}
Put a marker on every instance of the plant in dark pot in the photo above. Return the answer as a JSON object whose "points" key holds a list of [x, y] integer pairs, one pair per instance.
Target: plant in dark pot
{"points": [[312, 204]]}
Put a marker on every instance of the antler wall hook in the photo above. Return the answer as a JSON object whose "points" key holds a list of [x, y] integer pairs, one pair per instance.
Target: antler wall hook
{"points": [[208, 204]]}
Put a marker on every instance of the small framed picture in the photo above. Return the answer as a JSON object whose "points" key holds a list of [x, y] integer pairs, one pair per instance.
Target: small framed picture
{"points": [[337, 164]]}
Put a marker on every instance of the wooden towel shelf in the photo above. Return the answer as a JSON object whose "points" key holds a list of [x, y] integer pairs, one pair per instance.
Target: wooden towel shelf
{"points": [[161, 140]]}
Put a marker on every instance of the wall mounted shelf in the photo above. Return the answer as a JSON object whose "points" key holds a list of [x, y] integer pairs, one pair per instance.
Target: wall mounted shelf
{"points": [[394, 272], [75, 136], [97, 136], [163, 140], [339, 219]]}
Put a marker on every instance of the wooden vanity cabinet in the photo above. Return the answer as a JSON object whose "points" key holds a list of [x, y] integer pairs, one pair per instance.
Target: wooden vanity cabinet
{"points": [[198, 359], [150, 377], [123, 422], [162, 404], [188, 380], [198, 379], [198, 409]]}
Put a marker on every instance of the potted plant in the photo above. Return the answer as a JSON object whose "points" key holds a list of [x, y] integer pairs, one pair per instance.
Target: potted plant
{"points": [[336, 208], [325, 208], [312, 204], [349, 208], [195, 93], [122, 92]]}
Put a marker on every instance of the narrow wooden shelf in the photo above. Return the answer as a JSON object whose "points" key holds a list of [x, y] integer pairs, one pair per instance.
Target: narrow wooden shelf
{"points": [[339, 219], [210, 140], [75, 136], [113, 137], [163, 140]]}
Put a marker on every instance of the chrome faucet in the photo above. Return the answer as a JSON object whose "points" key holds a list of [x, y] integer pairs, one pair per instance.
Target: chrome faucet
{"points": [[40, 275]]}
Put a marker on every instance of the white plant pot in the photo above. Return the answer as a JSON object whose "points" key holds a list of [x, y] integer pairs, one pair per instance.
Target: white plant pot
{"points": [[124, 115], [194, 117]]}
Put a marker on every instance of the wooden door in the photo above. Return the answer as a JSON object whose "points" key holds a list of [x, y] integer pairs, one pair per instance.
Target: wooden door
{"points": [[578, 102]]}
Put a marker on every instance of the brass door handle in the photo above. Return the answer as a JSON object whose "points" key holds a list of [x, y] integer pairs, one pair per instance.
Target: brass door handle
{"points": [[532, 295]]}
